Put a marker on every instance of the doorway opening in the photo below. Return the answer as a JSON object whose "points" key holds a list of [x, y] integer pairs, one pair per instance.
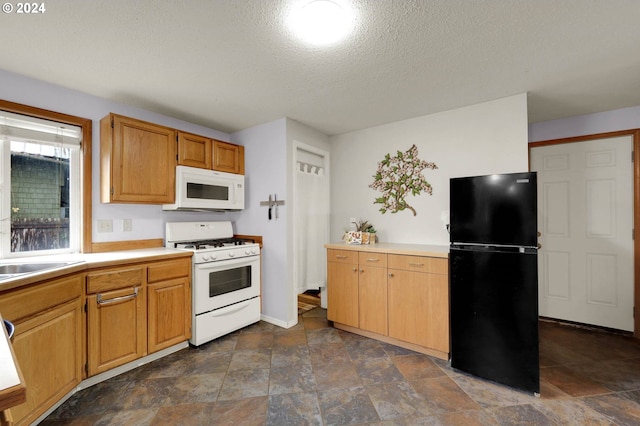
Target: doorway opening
{"points": [[310, 225], [591, 193]]}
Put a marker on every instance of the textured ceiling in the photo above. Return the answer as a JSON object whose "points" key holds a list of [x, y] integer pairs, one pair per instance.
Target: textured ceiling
{"points": [[232, 64]]}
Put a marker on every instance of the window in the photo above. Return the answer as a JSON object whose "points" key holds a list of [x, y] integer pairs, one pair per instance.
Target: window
{"points": [[40, 196]]}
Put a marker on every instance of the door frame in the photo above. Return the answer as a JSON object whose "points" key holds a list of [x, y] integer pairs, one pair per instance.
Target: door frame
{"points": [[635, 134]]}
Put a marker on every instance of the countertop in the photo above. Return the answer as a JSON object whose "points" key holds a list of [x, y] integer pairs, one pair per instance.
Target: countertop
{"points": [[432, 250], [81, 262]]}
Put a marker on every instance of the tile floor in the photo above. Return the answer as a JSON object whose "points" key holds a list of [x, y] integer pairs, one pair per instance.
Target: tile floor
{"points": [[312, 374]]}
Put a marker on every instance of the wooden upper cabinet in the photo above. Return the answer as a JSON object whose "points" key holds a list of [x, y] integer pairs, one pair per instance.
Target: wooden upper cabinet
{"points": [[195, 151], [228, 157], [137, 161]]}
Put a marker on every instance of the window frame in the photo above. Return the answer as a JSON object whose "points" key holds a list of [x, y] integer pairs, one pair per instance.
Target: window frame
{"points": [[85, 161]]}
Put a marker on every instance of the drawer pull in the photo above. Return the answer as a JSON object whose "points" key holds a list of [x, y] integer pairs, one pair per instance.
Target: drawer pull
{"points": [[339, 256], [419, 265], [372, 259], [102, 301]]}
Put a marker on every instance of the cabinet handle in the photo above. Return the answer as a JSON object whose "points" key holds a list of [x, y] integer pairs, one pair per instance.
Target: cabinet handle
{"points": [[390, 275], [371, 259], [362, 270], [416, 264], [355, 269], [102, 301], [338, 256]]}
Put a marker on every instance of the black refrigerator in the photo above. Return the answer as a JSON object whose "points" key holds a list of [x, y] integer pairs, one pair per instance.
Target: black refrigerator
{"points": [[494, 278]]}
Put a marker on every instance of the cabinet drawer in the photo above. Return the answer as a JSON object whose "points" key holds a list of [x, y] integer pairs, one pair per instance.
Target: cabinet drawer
{"points": [[432, 265], [162, 271], [342, 256], [372, 259], [23, 303], [114, 279]]}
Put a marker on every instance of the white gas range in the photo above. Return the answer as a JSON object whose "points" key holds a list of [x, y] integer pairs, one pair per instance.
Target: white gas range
{"points": [[225, 278]]}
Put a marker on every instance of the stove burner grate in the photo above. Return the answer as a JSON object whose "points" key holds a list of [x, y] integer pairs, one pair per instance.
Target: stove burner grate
{"points": [[220, 242]]}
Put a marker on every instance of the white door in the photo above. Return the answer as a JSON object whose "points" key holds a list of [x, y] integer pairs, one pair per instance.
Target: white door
{"points": [[585, 217]]}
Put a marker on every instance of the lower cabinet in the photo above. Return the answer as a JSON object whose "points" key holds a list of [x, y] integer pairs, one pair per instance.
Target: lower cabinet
{"points": [[131, 310], [372, 297], [116, 318], [47, 341], [136, 310], [401, 299], [169, 303], [417, 312], [342, 290]]}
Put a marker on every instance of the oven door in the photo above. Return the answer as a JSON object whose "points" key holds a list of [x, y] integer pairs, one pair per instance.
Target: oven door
{"points": [[218, 284]]}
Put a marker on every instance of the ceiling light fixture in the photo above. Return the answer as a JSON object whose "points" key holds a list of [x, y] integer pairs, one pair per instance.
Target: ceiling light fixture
{"points": [[321, 22]]}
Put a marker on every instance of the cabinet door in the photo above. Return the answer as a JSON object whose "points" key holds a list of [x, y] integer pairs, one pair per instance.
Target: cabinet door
{"points": [[169, 308], [419, 308], [194, 151], [48, 347], [342, 293], [228, 157], [138, 161], [116, 328], [372, 295]]}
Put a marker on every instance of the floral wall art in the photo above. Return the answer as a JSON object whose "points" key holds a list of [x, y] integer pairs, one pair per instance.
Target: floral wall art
{"points": [[400, 176]]}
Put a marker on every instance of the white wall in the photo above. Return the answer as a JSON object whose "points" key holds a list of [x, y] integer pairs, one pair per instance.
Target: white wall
{"points": [[481, 139], [601, 122], [266, 163], [148, 221]]}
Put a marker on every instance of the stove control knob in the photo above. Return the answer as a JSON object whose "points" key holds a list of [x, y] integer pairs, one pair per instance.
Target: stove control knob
{"points": [[206, 258], [213, 256], [248, 252], [231, 254]]}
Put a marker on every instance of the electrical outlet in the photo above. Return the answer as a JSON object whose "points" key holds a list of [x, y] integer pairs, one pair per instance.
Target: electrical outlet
{"points": [[105, 225], [127, 225]]}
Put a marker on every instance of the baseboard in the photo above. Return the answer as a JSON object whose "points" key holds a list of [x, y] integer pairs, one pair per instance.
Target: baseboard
{"points": [[278, 322]]}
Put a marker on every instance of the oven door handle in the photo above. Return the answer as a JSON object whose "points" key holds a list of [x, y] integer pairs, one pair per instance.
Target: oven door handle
{"points": [[230, 309]]}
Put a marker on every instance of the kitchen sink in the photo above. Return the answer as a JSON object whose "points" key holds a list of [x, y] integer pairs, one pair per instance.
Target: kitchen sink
{"points": [[10, 270]]}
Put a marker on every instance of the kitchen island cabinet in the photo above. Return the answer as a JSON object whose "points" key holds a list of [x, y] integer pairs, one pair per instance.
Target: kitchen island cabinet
{"points": [[401, 296], [47, 342], [137, 161]]}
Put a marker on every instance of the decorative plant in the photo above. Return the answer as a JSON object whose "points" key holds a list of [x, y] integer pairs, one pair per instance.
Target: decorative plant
{"points": [[362, 225], [398, 177]]}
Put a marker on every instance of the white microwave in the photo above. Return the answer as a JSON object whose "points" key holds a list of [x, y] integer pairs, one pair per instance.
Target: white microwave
{"points": [[202, 189]]}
